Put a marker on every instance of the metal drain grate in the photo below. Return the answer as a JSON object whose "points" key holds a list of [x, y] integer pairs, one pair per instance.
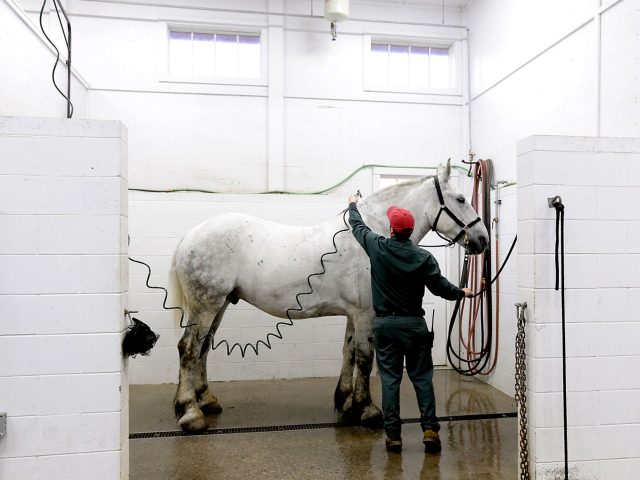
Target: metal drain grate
{"points": [[306, 426]]}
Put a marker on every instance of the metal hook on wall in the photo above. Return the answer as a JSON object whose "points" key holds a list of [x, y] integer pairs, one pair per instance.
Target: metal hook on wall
{"points": [[470, 162]]}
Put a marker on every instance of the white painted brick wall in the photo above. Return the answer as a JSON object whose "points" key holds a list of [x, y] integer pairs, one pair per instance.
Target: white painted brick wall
{"points": [[603, 293], [551, 82], [63, 258]]}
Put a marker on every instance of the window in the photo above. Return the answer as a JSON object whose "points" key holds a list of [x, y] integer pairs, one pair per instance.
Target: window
{"points": [[387, 180], [214, 54], [412, 66]]}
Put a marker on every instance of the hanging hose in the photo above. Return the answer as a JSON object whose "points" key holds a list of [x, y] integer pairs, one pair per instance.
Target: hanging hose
{"points": [[474, 361], [556, 203]]}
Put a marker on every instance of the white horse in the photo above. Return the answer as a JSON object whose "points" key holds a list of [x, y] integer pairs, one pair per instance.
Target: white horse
{"points": [[237, 256]]}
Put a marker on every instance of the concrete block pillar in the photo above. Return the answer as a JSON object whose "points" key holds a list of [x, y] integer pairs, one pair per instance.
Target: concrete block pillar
{"points": [[63, 287], [599, 182]]}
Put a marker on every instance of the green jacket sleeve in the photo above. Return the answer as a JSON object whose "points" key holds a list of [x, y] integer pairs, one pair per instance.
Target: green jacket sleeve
{"points": [[365, 237], [437, 284]]}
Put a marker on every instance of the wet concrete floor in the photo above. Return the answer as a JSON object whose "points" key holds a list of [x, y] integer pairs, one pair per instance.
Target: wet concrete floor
{"points": [[472, 449]]}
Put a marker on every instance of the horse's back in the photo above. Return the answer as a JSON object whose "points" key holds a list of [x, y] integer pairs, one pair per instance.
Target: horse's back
{"points": [[217, 253], [262, 262]]}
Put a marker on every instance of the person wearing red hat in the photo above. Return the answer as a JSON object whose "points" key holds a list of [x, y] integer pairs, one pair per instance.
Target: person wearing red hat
{"points": [[400, 271]]}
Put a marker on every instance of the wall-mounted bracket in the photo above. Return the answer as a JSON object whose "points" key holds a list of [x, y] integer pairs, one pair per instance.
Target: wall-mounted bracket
{"points": [[553, 201], [3, 424]]}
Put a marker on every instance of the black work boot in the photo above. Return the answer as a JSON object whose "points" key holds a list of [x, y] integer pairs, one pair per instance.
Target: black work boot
{"points": [[431, 441], [393, 445]]}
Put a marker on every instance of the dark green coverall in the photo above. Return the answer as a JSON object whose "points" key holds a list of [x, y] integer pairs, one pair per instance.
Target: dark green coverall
{"points": [[399, 272]]}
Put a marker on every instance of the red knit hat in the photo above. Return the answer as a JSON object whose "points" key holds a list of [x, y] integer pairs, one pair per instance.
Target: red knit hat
{"points": [[401, 220]]}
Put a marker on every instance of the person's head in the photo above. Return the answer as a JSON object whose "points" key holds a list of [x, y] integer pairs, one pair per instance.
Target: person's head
{"points": [[401, 222]]}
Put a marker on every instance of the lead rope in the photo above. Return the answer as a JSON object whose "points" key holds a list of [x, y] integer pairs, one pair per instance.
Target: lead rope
{"points": [[521, 390]]}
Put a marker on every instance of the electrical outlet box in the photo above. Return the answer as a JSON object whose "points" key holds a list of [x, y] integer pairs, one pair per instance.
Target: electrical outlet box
{"points": [[3, 424]]}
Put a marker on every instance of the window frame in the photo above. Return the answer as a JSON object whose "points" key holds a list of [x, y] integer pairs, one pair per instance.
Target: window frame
{"points": [[164, 40], [455, 64], [398, 173]]}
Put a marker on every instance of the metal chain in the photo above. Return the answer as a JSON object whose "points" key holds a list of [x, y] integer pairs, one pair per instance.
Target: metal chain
{"points": [[521, 391]]}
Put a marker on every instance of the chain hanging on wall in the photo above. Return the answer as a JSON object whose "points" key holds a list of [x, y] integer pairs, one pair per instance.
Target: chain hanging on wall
{"points": [[521, 391]]}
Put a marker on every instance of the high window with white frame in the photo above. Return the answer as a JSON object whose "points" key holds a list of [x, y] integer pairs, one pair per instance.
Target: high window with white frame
{"points": [[411, 66], [224, 55]]}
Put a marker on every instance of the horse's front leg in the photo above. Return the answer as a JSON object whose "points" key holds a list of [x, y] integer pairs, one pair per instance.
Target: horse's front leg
{"points": [[364, 353], [343, 396]]}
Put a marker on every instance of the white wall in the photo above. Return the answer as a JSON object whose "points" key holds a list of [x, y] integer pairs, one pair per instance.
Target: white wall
{"points": [[306, 127], [63, 283], [26, 63], [560, 68], [597, 179]]}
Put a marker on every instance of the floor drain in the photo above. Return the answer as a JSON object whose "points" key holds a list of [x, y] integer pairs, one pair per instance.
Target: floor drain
{"points": [[306, 426]]}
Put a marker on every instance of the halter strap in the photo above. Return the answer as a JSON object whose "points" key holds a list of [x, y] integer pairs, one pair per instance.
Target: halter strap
{"points": [[444, 208]]}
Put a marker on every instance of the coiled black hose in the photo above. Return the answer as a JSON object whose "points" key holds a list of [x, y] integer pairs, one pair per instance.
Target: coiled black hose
{"points": [[278, 334], [289, 322]]}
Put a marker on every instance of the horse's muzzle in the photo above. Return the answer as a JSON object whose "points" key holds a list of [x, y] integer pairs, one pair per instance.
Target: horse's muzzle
{"points": [[477, 245]]}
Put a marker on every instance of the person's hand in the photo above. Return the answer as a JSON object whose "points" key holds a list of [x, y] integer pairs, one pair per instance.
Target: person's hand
{"points": [[467, 292], [352, 199]]}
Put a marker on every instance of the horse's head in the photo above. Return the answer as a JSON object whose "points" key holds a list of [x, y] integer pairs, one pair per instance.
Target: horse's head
{"points": [[454, 218]]}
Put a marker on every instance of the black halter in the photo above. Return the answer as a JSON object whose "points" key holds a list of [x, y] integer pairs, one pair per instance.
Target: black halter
{"points": [[443, 208]]}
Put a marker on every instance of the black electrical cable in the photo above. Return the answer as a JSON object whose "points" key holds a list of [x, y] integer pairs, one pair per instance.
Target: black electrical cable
{"points": [[53, 72], [289, 322], [559, 261], [166, 293], [299, 308]]}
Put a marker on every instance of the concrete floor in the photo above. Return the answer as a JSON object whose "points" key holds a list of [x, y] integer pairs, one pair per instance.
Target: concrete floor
{"points": [[472, 449]]}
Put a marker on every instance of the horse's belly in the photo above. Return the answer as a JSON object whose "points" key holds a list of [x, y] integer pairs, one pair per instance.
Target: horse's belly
{"points": [[278, 294]]}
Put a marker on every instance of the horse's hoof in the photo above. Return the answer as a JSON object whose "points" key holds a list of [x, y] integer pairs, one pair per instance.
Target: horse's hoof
{"points": [[208, 403], [210, 408], [371, 417], [348, 417], [192, 421]]}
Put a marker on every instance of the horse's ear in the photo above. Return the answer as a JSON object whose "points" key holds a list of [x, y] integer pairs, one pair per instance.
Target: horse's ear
{"points": [[446, 171]]}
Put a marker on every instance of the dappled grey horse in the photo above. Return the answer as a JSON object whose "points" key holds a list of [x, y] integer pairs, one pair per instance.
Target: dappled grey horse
{"points": [[237, 256]]}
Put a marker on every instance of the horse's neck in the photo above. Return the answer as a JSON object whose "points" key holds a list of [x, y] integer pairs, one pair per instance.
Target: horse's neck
{"points": [[418, 198]]}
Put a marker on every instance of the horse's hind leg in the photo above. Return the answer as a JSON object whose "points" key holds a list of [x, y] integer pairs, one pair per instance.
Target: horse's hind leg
{"points": [[343, 396], [191, 418], [371, 415], [207, 401]]}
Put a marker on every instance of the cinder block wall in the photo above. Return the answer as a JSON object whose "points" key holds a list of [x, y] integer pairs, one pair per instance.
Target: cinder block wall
{"points": [[599, 182], [63, 284]]}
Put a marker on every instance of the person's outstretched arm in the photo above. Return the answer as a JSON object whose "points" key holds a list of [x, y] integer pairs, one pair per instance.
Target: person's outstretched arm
{"points": [[365, 237]]}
